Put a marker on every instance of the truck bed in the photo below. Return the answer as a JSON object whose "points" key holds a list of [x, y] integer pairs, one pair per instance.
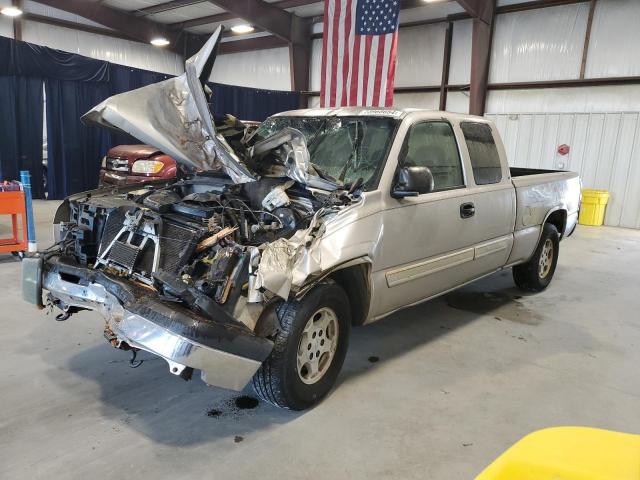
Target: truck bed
{"points": [[522, 172], [540, 191]]}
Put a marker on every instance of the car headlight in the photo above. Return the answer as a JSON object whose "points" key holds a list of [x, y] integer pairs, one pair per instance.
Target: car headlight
{"points": [[146, 166]]}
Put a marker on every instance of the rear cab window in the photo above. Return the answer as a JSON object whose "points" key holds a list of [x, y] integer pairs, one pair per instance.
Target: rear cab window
{"points": [[433, 144], [483, 153]]}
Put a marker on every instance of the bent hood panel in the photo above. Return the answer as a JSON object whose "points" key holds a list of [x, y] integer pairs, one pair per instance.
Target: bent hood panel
{"points": [[174, 117]]}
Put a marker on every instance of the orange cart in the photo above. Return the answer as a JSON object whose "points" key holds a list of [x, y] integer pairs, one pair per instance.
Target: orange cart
{"points": [[12, 203]]}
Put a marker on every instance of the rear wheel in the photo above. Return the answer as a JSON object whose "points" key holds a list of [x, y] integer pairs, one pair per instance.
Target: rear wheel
{"points": [[537, 273], [309, 349]]}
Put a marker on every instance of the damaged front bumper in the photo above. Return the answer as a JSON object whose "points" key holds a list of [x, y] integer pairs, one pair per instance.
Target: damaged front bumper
{"points": [[225, 351]]}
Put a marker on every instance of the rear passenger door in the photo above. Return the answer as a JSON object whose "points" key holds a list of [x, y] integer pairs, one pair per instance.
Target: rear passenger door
{"points": [[493, 201]]}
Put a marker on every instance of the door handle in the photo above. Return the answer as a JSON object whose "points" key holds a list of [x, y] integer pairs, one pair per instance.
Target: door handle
{"points": [[467, 210]]}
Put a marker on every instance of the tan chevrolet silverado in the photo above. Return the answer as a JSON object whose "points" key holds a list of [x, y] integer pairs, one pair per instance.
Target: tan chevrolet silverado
{"points": [[255, 269]]}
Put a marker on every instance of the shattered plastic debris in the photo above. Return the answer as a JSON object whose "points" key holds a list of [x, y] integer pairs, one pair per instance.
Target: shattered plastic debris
{"points": [[285, 262], [277, 197]]}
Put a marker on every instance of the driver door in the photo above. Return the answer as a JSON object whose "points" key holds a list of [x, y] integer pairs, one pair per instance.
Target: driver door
{"points": [[428, 240]]}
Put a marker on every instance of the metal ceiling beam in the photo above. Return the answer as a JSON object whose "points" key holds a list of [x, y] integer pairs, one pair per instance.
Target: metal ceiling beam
{"points": [[223, 17], [165, 7], [137, 28], [18, 22], [482, 38], [536, 4], [480, 9], [264, 15], [257, 43]]}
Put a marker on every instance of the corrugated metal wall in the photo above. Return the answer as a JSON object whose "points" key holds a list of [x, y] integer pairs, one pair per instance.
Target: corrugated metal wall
{"points": [[604, 149]]}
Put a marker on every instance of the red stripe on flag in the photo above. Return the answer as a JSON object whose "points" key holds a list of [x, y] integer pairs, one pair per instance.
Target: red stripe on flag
{"points": [[345, 58], [334, 55], [391, 74], [365, 74], [382, 39], [323, 73], [355, 60]]}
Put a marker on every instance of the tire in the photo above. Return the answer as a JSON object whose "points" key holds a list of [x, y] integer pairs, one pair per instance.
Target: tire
{"points": [[537, 273], [281, 380]]}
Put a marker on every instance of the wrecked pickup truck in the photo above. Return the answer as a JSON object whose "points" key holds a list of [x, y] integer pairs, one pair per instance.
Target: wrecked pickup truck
{"points": [[255, 268]]}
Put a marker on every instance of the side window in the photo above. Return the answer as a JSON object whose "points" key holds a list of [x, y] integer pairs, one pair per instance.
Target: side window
{"points": [[483, 153], [433, 145]]}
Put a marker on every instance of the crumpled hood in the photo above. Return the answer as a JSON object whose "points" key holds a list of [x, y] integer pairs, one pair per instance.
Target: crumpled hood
{"points": [[174, 117]]}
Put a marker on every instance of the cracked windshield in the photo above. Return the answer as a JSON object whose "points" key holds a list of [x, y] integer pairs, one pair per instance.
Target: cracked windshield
{"points": [[344, 148]]}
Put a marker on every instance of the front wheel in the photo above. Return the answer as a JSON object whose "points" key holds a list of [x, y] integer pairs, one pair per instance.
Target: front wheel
{"points": [[536, 274], [309, 349]]}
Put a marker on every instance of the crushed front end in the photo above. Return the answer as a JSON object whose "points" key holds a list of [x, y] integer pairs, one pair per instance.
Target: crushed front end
{"points": [[174, 267]]}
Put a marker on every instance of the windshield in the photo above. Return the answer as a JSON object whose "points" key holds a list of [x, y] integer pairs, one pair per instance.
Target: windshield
{"points": [[345, 148]]}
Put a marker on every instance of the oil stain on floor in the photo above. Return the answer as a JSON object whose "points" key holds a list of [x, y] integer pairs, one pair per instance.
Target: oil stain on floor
{"points": [[501, 305], [234, 406]]}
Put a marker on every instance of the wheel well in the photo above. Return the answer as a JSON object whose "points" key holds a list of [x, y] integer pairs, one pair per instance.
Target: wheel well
{"points": [[355, 281], [559, 220]]}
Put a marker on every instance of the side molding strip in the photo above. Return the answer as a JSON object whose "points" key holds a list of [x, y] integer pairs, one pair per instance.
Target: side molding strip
{"points": [[427, 267]]}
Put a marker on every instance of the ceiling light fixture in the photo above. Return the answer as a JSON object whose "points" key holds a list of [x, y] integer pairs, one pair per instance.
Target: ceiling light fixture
{"points": [[11, 11], [242, 28], [160, 42]]}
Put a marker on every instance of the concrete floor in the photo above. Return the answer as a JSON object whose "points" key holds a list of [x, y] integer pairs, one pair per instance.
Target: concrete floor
{"points": [[458, 380]]}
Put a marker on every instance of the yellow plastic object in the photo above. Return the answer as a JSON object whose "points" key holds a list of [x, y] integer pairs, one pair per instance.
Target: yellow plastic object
{"points": [[569, 453], [594, 203]]}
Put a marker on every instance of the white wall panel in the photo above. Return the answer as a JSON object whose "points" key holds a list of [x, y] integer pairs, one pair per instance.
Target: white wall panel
{"points": [[615, 37], [428, 101], [573, 100], [460, 66], [124, 52], [605, 150], [314, 102], [458, 102], [315, 65], [420, 54], [438, 9], [258, 69], [6, 27], [543, 44]]}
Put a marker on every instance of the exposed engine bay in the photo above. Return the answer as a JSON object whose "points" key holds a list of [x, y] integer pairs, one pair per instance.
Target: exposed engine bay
{"points": [[201, 240]]}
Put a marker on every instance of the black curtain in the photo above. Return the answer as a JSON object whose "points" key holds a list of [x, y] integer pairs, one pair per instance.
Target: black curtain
{"points": [[29, 60], [21, 129], [251, 103], [74, 84], [75, 150]]}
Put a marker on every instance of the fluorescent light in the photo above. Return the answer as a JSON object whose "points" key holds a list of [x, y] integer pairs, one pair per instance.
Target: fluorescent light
{"points": [[11, 11], [242, 28], [160, 42], [433, 1]]}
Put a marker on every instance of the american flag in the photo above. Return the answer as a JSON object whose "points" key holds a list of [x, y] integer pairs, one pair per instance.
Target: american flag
{"points": [[359, 52]]}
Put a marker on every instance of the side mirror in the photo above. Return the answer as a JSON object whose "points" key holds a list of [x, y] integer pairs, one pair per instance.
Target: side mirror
{"points": [[413, 181]]}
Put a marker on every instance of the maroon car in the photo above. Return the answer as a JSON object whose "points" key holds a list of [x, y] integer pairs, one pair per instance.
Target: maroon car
{"points": [[127, 164]]}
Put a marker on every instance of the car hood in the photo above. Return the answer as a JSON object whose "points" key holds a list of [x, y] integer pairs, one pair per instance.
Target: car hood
{"points": [[133, 151], [174, 117]]}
